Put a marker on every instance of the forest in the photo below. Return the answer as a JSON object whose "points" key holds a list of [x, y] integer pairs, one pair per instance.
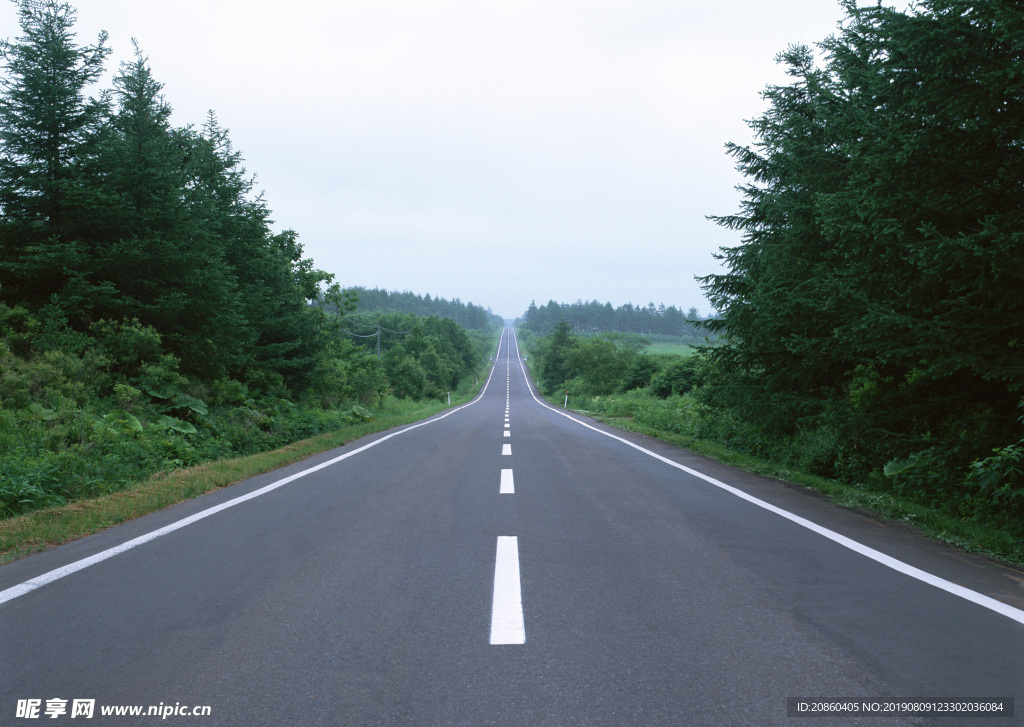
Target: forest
{"points": [[871, 325], [467, 315], [596, 317], [150, 317]]}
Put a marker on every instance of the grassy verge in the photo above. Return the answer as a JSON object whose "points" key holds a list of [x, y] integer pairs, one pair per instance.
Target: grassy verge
{"points": [[963, 534], [38, 530]]}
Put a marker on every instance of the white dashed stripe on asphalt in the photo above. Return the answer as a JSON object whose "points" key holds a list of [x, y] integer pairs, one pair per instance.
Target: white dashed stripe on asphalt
{"points": [[507, 626]]}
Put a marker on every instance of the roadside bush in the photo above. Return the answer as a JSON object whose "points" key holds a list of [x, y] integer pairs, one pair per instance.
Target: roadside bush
{"points": [[407, 378], [126, 345], [997, 483], [639, 374], [87, 413], [679, 377]]}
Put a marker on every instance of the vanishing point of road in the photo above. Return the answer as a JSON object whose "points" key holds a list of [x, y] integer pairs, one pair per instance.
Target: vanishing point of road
{"points": [[506, 563]]}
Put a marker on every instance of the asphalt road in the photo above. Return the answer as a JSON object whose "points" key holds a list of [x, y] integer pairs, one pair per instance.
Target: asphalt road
{"points": [[414, 583]]}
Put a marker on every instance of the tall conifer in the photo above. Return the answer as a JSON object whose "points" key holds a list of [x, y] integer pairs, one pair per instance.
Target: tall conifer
{"points": [[47, 135]]}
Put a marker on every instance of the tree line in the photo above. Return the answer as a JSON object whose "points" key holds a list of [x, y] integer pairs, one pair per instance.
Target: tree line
{"points": [[108, 212], [595, 317], [150, 317], [604, 364], [422, 357], [874, 303], [467, 315]]}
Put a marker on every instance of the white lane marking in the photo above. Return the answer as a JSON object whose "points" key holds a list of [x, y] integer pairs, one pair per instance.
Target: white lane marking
{"points": [[30, 585], [506, 449], [507, 433], [507, 625], [507, 483], [868, 552], [506, 424]]}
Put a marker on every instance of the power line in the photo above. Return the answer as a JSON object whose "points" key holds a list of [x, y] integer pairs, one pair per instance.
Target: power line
{"points": [[380, 329]]}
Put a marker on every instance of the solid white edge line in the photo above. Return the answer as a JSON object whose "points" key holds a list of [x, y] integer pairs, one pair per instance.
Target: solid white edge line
{"points": [[33, 583], [507, 625], [507, 486], [967, 594]]}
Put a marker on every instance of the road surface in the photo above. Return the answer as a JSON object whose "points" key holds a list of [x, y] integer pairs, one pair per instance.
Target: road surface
{"points": [[506, 564]]}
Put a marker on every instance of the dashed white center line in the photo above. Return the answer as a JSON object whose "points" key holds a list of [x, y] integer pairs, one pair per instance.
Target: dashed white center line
{"points": [[506, 449], [507, 625], [507, 483], [508, 433]]}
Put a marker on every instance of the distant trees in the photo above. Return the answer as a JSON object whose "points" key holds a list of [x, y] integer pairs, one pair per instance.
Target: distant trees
{"points": [[422, 357], [595, 317], [468, 315], [876, 292], [595, 365]]}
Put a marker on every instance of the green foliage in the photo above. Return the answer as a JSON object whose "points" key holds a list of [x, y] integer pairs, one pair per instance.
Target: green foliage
{"points": [[114, 409], [603, 364], [875, 294], [467, 315], [443, 350], [107, 213], [48, 130], [594, 317], [679, 377], [346, 372], [669, 346], [600, 363], [550, 356], [998, 481], [149, 316], [407, 377], [420, 358], [639, 373]]}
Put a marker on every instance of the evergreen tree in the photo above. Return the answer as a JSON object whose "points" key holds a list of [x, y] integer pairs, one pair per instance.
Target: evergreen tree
{"points": [[779, 308], [877, 285], [169, 271], [48, 130]]}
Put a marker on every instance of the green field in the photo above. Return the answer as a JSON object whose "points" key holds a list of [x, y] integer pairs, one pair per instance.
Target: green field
{"points": [[679, 349]]}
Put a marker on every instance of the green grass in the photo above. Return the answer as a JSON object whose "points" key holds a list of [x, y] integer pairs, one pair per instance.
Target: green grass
{"points": [[677, 349], [42, 529]]}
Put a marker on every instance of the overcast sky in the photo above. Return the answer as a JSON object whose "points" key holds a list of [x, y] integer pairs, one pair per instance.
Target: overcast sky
{"points": [[496, 151]]}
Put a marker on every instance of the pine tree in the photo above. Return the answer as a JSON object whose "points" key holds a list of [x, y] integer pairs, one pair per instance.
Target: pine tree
{"points": [[48, 133], [878, 281], [169, 270]]}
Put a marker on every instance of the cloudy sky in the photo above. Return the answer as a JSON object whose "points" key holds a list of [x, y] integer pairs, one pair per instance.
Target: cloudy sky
{"points": [[496, 151]]}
